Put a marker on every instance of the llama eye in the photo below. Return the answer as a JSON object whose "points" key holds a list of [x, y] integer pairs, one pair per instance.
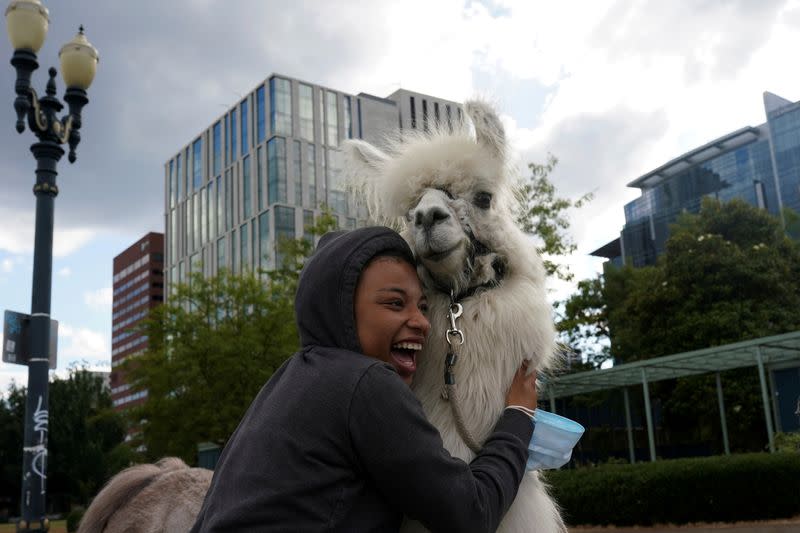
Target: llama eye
{"points": [[482, 199]]}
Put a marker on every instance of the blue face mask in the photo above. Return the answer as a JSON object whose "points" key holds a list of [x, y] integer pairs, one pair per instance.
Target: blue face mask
{"points": [[553, 439]]}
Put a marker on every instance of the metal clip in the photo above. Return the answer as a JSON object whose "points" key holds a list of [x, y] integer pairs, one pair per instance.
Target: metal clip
{"points": [[455, 311]]}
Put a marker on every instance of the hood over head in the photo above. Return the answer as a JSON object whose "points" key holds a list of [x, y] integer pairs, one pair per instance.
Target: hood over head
{"points": [[324, 303]]}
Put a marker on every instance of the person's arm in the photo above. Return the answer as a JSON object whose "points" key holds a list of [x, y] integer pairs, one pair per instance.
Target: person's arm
{"points": [[404, 455]]}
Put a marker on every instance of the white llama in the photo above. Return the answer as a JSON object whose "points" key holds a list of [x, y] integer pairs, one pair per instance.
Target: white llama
{"points": [[452, 194]]}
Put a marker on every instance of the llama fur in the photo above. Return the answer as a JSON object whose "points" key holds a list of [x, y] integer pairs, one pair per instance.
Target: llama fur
{"points": [[150, 498], [504, 323]]}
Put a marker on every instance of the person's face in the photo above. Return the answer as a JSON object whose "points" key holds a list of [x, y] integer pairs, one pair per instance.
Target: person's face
{"points": [[389, 306]]}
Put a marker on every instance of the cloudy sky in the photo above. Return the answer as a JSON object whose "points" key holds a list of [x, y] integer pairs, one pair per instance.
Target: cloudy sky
{"points": [[613, 88]]}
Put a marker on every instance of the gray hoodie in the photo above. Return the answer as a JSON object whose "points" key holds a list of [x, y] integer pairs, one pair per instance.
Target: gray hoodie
{"points": [[336, 441]]}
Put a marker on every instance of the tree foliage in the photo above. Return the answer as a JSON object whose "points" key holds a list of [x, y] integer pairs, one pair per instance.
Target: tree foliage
{"points": [[544, 214], [211, 347], [728, 274], [85, 440]]}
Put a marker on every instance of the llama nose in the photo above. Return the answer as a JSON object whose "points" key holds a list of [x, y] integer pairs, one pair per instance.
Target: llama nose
{"points": [[427, 218]]}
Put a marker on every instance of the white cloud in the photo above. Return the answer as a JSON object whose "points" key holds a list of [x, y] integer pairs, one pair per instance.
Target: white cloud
{"points": [[100, 299], [17, 234], [65, 272], [6, 265], [82, 344]]}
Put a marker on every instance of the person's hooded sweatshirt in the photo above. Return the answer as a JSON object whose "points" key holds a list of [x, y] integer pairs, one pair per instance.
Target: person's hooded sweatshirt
{"points": [[336, 441]]}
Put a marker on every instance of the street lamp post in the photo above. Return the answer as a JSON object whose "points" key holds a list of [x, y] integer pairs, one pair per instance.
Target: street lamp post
{"points": [[27, 23]]}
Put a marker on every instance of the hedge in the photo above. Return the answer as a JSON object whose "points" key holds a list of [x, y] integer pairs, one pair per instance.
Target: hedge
{"points": [[756, 486]]}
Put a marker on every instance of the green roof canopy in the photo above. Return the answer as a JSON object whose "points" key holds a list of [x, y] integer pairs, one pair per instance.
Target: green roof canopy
{"points": [[774, 349]]}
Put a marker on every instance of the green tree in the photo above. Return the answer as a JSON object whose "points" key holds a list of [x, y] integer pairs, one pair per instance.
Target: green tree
{"points": [[12, 415], [544, 214], [583, 325], [729, 273], [85, 440], [211, 347]]}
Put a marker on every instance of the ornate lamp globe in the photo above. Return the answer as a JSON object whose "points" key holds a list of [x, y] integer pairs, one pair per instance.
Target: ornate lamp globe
{"points": [[27, 22], [78, 62]]}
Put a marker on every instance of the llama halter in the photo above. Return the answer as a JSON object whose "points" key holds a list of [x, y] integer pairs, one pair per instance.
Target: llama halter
{"points": [[455, 338]]}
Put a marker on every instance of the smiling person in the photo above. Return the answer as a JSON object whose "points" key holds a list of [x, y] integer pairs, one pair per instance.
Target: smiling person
{"points": [[335, 440]]}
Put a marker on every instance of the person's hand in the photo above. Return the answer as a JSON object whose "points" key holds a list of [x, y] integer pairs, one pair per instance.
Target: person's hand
{"points": [[523, 388]]}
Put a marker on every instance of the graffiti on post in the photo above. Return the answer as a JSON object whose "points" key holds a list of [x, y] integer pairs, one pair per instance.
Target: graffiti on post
{"points": [[39, 451]]}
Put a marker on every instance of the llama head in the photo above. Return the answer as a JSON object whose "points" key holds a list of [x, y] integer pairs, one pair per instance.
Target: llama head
{"points": [[450, 193]]}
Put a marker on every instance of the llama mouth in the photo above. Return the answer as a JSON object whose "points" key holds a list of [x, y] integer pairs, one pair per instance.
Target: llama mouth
{"points": [[438, 256]]}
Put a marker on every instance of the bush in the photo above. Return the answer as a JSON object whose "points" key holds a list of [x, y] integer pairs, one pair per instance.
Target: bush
{"points": [[708, 489], [74, 519]]}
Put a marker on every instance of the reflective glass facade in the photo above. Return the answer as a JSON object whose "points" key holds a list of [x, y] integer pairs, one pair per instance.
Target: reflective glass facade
{"points": [[280, 101], [252, 177], [305, 103], [276, 169], [744, 164]]}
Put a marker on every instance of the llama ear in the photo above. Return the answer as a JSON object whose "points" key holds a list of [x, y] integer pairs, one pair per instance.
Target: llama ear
{"points": [[363, 164], [489, 130], [362, 157]]}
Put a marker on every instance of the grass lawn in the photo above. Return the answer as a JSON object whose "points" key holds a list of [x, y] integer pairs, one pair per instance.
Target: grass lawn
{"points": [[59, 526]]}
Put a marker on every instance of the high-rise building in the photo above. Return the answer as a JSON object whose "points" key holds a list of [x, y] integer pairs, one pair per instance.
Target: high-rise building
{"points": [[261, 170], [760, 165], [138, 287]]}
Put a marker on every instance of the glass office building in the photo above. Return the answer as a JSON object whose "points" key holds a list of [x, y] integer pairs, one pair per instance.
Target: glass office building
{"points": [[760, 165], [262, 170]]}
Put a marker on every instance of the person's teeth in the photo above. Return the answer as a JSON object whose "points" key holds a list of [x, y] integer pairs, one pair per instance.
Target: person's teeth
{"points": [[408, 346]]}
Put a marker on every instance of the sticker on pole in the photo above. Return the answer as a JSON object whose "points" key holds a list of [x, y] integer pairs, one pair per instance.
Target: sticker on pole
{"points": [[16, 339]]}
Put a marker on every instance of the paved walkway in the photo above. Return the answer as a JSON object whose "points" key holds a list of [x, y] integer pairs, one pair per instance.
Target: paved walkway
{"points": [[770, 526]]}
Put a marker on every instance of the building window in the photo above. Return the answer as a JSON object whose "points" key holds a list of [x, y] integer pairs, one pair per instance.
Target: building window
{"points": [[233, 135], [333, 120], [173, 237], [351, 223], [297, 172], [247, 200], [227, 140], [216, 141], [284, 228], [413, 112], [197, 234], [228, 200], [311, 170], [348, 119], [449, 118], [171, 184], [220, 205], [260, 120], [436, 114], [276, 169], [323, 176], [188, 209], [280, 100], [234, 262], [197, 164], [263, 240], [244, 118], [424, 115], [321, 110], [203, 194], [260, 178], [212, 210], [338, 196], [306, 111], [221, 259], [244, 257], [308, 223], [178, 180]]}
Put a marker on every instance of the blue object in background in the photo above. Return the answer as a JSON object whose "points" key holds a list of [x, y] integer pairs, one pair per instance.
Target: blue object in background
{"points": [[552, 442]]}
